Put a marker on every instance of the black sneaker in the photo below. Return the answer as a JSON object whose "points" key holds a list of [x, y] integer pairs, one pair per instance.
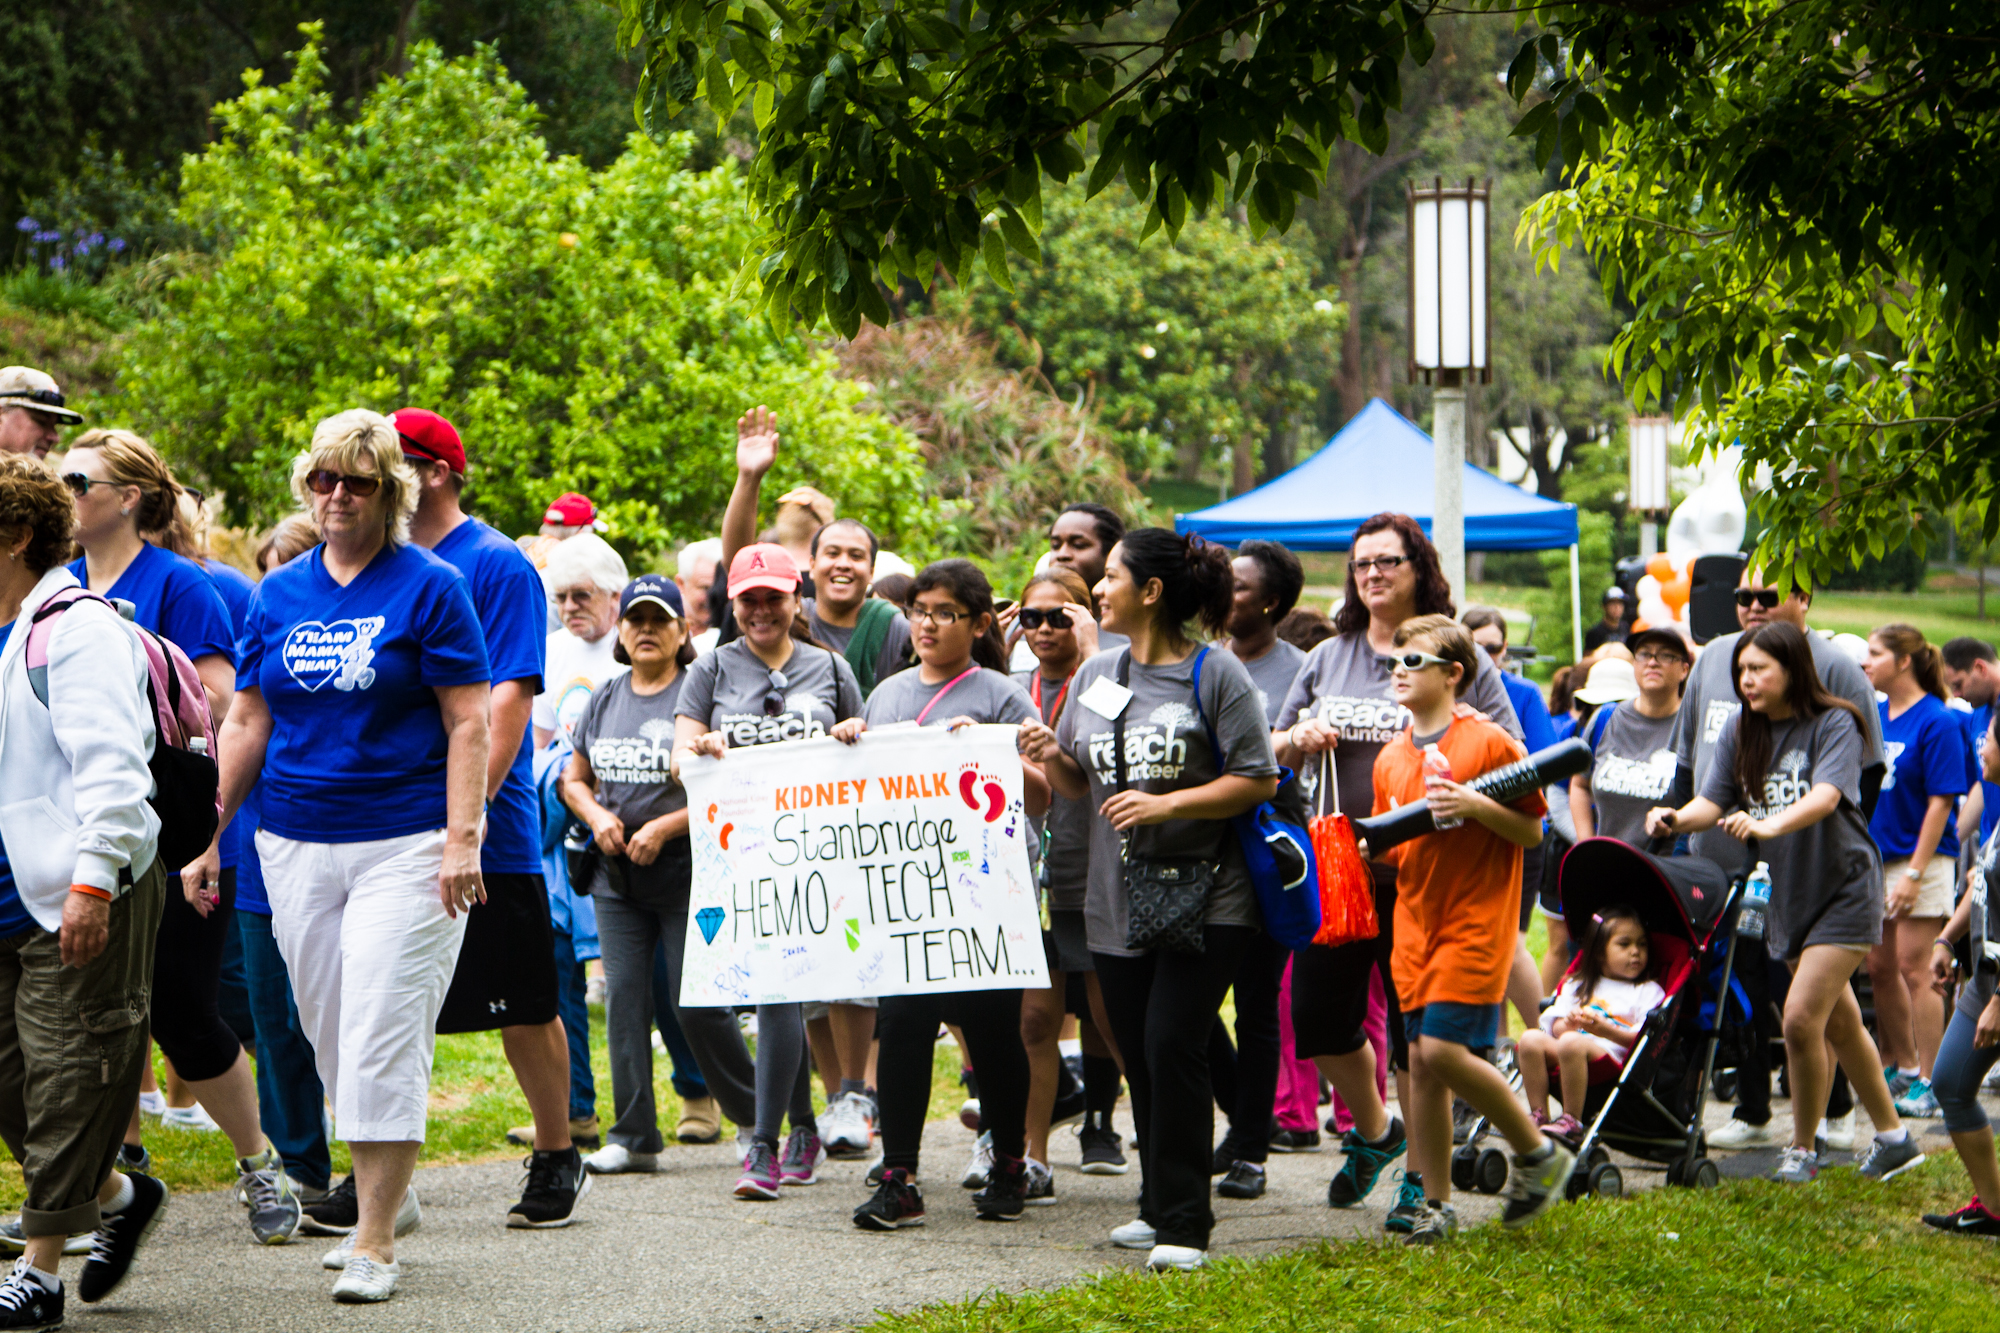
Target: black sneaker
{"points": [[1364, 1165], [134, 1157], [333, 1213], [26, 1303], [119, 1237], [897, 1203], [1294, 1140], [1244, 1181], [1409, 1205], [1006, 1192], [1434, 1225], [1225, 1157], [1971, 1220], [1536, 1183], [555, 1185], [1103, 1153]]}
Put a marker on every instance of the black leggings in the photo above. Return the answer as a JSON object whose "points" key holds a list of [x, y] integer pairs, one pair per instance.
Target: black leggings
{"points": [[1161, 1007], [907, 1026], [1330, 987], [187, 983], [1245, 1076]]}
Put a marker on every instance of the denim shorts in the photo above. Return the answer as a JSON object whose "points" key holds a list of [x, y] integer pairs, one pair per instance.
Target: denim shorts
{"points": [[1470, 1025]]}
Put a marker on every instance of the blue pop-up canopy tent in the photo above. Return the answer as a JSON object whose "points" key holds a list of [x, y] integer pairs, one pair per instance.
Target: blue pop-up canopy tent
{"points": [[1381, 461]]}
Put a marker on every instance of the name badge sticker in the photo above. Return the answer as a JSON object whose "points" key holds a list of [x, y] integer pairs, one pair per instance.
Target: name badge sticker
{"points": [[1106, 698]]}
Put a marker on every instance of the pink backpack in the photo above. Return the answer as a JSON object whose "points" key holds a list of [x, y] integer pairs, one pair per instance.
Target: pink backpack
{"points": [[187, 794]]}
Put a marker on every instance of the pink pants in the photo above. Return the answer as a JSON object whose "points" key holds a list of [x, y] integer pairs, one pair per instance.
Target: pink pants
{"points": [[1298, 1080]]}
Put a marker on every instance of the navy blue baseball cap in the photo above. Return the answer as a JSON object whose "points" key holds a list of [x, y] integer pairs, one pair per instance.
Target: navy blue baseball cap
{"points": [[655, 588]]}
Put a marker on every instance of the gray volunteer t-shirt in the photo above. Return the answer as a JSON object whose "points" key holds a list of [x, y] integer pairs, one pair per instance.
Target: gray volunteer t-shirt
{"points": [[1984, 934], [726, 691], [1709, 700], [1346, 685], [1826, 879], [1631, 771], [1066, 827], [895, 648], [1166, 749], [628, 738], [1273, 674]]}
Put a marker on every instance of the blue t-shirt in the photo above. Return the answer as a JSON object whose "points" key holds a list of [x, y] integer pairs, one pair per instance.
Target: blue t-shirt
{"points": [[1976, 723], [235, 587], [513, 612], [14, 916], [358, 745], [1537, 731], [1926, 752]]}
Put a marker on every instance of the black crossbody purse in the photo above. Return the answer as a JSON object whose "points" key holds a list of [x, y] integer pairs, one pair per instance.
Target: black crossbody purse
{"points": [[1166, 897]]}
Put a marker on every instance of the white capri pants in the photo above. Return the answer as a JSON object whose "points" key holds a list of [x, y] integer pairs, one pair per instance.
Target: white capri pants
{"points": [[371, 952]]}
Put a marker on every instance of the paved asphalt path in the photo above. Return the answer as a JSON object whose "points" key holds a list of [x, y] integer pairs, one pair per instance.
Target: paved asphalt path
{"points": [[674, 1251]]}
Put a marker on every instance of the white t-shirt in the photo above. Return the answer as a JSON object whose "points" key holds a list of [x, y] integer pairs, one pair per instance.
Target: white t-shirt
{"points": [[575, 669], [1627, 1002]]}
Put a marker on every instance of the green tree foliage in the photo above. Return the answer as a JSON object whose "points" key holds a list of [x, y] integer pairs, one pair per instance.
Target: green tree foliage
{"points": [[1183, 347], [1796, 197], [578, 326], [889, 134]]}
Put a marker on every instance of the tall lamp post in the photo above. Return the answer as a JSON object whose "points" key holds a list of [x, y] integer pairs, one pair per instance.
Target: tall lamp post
{"points": [[1448, 308]]}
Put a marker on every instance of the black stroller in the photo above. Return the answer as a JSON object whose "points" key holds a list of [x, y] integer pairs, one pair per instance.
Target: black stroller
{"points": [[1652, 1110]]}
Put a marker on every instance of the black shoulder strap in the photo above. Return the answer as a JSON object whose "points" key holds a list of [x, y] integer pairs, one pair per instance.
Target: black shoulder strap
{"points": [[1118, 723]]}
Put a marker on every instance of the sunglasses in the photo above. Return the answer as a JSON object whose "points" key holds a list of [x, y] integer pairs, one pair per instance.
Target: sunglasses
{"points": [[324, 481], [79, 485], [774, 702], [46, 397], [1034, 618], [1388, 564], [1764, 597], [1415, 661]]}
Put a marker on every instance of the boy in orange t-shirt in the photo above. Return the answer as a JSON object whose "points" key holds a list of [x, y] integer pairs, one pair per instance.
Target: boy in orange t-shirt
{"points": [[1457, 906]]}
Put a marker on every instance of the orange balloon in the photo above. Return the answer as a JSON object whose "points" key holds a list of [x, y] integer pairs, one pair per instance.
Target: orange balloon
{"points": [[1675, 592], [1661, 567], [1640, 627]]}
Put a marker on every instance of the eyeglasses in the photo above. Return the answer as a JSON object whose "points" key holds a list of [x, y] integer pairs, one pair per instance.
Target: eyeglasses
{"points": [[46, 397], [79, 485], [324, 481], [1414, 661], [1388, 564], [1034, 618], [1653, 657], [946, 618], [1764, 597], [774, 702]]}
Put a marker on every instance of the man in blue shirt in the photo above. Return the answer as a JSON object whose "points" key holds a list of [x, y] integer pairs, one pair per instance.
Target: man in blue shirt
{"points": [[1972, 672], [506, 976]]}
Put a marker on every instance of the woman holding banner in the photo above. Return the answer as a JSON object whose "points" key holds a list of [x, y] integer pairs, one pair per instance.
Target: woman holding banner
{"points": [[960, 678], [1137, 746], [775, 683]]}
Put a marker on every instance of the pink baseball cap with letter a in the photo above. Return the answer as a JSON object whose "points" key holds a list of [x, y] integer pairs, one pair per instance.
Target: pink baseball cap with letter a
{"points": [[764, 565]]}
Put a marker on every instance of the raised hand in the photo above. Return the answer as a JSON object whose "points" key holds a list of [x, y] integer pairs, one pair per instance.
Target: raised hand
{"points": [[756, 441]]}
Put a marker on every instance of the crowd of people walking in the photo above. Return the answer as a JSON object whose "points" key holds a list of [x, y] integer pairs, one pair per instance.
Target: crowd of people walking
{"points": [[418, 777]]}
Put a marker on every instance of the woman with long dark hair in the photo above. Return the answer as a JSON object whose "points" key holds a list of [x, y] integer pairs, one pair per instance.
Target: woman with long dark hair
{"points": [[1137, 746], [1787, 772], [1341, 702]]}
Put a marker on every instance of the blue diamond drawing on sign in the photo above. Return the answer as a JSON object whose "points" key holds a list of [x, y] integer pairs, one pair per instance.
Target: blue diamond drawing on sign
{"points": [[710, 921]]}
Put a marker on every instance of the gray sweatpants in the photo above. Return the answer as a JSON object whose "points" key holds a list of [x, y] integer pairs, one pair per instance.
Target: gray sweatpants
{"points": [[628, 930]]}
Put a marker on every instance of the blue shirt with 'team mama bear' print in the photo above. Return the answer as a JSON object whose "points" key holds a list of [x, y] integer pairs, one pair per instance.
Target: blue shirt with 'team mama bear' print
{"points": [[357, 749]]}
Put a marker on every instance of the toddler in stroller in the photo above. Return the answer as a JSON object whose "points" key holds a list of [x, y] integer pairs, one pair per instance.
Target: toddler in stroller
{"points": [[1587, 1034]]}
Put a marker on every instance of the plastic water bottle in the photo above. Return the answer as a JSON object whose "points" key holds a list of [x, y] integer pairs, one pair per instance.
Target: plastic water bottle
{"points": [[1438, 766], [1756, 902]]}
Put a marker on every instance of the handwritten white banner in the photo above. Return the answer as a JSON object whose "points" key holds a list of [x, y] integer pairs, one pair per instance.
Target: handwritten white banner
{"points": [[829, 872]]}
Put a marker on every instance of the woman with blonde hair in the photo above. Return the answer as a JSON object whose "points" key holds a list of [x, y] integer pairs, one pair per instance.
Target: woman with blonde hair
{"points": [[364, 712], [137, 548]]}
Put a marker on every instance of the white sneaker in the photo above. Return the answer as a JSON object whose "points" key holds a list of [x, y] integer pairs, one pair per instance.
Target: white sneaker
{"points": [[153, 1103], [408, 1218], [1138, 1234], [1740, 1134], [189, 1117], [1178, 1257], [981, 1164], [744, 1138], [615, 1159], [659, 1043], [1839, 1132], [365, 1281], [852, 1130]]}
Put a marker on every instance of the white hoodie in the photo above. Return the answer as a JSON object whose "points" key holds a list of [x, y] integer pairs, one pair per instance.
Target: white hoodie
{"points": [[73, 777]]}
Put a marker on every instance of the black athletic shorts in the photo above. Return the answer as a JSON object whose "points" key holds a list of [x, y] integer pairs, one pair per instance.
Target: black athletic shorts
{"points": [[507, 968]]}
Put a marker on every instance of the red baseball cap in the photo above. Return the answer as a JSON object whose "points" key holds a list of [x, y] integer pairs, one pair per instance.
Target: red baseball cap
{"points": [[428, 436], [764, 565], [571, 510]]}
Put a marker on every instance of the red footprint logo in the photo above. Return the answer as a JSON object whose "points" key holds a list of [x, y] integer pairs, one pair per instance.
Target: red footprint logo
{"points": [[996, 799], [968, 778], [723, 837]]}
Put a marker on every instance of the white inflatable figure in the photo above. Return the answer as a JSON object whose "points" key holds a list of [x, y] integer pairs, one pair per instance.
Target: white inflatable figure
{"points": [[1712, 518]]}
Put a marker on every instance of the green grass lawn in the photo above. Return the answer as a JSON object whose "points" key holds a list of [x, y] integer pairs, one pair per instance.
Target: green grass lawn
{"points": [[1839, 1254]]}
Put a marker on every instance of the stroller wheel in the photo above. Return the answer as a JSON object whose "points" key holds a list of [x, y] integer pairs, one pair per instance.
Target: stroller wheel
{"points": [[1677, 1171], [1724, 1085], [1489, 1171], [1606, 1181], [1463, 1167], [1704, 1174], [1596, 1157]]}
